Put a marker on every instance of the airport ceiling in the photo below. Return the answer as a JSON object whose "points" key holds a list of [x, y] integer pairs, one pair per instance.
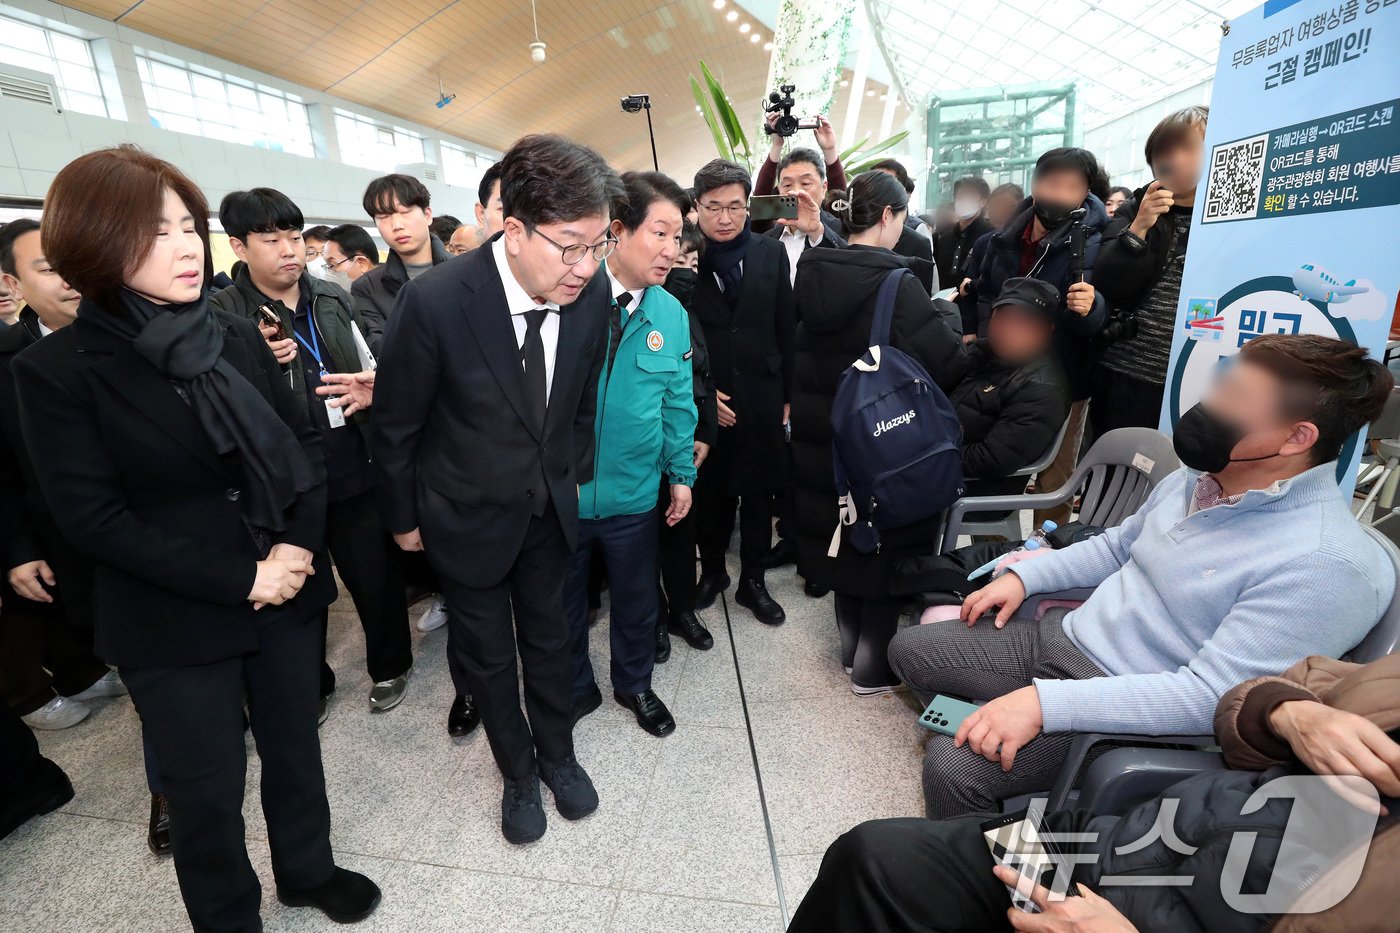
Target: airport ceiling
{"points": [[390, 55]]}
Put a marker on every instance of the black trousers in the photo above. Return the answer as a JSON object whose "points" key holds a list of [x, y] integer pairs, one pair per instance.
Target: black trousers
{"points": [[27, 779], [1121, 401], [628, 546], [906, 875], [193, 718], [675, 559], [42, 654], [866, 627], [484, 628], [368, 561], [714, 525]]}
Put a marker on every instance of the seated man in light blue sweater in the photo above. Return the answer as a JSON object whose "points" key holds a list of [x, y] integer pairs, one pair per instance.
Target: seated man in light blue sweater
{"points": [[1236, 566]]}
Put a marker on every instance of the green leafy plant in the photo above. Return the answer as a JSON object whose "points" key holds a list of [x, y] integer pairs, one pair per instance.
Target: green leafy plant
{"points": [[732, 143], [725, 125]]}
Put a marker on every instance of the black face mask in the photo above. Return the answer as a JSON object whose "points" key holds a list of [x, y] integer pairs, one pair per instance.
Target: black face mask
{"points": [[681, 283], [1204, 441], [1052, 215]]}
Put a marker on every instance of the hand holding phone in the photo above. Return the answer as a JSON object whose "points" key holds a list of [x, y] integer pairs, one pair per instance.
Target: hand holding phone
{"points": [[773, 207], [945, 714]]}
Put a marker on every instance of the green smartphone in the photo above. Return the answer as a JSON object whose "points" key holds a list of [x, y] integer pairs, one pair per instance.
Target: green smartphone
{"points": [[945, 714], [773, 207]]}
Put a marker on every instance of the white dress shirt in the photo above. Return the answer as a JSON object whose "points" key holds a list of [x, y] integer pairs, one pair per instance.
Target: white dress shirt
{"points": [[795, 243], [617, 290], [518, 301], [44, 329]]}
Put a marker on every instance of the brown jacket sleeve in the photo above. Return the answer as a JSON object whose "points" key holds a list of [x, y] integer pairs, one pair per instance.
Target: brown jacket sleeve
{"points": [[1242, 716]]}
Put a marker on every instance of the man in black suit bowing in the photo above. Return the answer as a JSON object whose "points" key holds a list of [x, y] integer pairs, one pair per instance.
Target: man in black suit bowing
{"points": [[483, 421], [743, 299]]}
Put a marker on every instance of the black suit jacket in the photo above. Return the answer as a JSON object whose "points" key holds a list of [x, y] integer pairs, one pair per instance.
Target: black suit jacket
{"points": [[462, 460], [27, 529], [145, 495], [751, 353], [916, 247]]}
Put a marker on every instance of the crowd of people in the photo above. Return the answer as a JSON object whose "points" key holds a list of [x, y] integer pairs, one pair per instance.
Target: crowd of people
{"points": [[590, 387]]}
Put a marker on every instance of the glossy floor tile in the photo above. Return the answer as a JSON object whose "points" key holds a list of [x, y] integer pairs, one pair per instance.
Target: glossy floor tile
{"points": [[683, 839]]}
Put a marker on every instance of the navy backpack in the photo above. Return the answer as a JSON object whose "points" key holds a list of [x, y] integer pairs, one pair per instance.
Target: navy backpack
{"points": [[896, 447]]}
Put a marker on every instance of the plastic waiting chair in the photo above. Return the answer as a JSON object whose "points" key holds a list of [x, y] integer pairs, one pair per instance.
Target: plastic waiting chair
{"points": [[1009, 526], [1125, 776], [1117, 475]]}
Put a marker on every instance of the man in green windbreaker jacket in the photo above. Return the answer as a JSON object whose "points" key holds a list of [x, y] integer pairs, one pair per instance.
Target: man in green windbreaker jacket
{"points": [[644, 429]]}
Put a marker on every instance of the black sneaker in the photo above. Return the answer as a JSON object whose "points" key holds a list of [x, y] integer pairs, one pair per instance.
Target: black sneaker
{"points": [[574, 794], [348, 897], [709, 587], [522, 811], [753, 596]]}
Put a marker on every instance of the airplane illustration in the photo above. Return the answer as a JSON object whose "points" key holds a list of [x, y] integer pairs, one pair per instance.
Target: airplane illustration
{"points": [[1315, 283]]}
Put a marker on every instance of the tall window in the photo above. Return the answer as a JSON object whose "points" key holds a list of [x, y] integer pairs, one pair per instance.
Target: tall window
{"points": [[69, 60], [191, 99], [368, 144], [461, 166]]}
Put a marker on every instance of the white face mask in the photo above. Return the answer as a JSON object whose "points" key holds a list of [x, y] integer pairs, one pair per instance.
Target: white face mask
{"points": [[317, 268], [340, 278], [967, 208]]}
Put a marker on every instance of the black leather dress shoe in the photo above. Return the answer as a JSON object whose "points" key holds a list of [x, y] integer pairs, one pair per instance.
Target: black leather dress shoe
{"points": [[463, 717], [348, 897], [585, 704], [709, 588], [574, 794], [687, 625], [814, 591], [782, 554], [753, 596], [158, 832], [522, 811], [652, 715], [663, 644]]}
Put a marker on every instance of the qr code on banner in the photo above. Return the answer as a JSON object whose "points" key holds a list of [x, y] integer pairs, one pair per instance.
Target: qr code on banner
{"points": [[1236, 170]]}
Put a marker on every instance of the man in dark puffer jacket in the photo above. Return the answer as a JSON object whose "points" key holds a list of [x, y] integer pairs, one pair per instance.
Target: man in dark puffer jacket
{"points": [[1321, 716], [1016, 397]]}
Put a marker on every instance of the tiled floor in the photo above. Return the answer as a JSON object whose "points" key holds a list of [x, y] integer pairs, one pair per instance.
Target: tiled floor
{"points": [[679, 844]]}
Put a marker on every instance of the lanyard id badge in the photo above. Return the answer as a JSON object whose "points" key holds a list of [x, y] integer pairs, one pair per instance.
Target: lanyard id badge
{"points": [[334, 415]]}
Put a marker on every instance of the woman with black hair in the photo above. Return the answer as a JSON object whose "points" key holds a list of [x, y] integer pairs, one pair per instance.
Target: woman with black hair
{"points": [[189, 473], [835, 293]]}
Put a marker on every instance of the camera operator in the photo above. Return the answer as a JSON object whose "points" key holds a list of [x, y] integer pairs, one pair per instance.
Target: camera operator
{"points": [[766, 181], [1139, 272]]}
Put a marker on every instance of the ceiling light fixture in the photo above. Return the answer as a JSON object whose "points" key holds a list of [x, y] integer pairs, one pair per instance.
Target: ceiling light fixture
{"points": [[719, 4], [536, 47], [767, 46], [732, 15], [744, 27], [755, 37]]}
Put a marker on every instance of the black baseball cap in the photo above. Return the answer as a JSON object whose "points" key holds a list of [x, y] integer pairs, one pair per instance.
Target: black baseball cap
{"points": [[1030, 295]]}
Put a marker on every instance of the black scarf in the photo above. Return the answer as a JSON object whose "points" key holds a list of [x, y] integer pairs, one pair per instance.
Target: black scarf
{"points": [[726, 261], [185, 344]]}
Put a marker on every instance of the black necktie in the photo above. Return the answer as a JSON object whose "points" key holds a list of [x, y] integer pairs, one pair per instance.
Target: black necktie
{"points": [[615, 322], [532, 355]]}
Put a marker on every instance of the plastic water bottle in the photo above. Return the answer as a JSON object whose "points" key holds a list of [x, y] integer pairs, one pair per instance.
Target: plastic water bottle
{"points": [[1039, 538]]}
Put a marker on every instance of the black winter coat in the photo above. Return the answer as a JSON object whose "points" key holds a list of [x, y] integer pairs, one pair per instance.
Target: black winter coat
{"points": [[751, 359], [376, 291], [27, 529], [952, 248], [1009, 416], [1127, 267], [146, 495], [1001, 260], [836, 303]]}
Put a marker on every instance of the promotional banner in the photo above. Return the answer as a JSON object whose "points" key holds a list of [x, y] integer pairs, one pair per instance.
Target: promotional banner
{"points": [[1294, 229]]}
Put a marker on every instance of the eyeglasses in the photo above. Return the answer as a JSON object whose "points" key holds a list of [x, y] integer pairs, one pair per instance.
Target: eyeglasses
{"points": [[574, 252], [334, 264], [313, 253], [456, 250], [733, 210]]}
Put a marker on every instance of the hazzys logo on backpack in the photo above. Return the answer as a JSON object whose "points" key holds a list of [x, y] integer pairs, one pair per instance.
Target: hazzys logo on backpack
{"points": [[896, 438], [882, 426]]}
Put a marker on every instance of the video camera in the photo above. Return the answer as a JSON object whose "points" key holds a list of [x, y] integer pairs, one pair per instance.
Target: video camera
{"points": [[786, 124]]}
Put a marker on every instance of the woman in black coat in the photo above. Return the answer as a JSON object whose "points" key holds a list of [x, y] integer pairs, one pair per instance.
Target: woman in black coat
{"points": [[182, 463], [835, 292]]}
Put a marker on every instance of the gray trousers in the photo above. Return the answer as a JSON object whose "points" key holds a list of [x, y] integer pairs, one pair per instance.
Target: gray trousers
{"points": [[983, 663]]}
